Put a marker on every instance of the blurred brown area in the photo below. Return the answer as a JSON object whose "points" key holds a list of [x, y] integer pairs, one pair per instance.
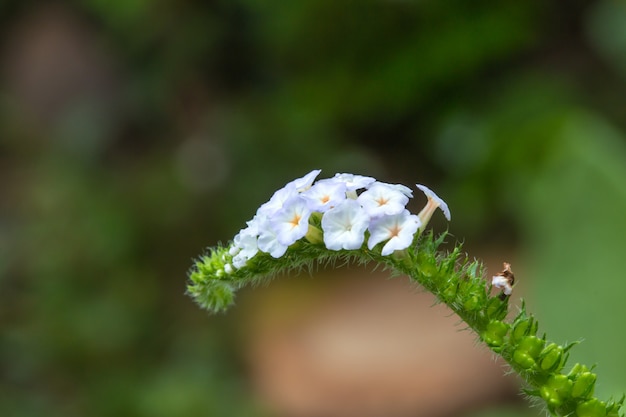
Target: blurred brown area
{"points": [[54, 63], [363, 345]]}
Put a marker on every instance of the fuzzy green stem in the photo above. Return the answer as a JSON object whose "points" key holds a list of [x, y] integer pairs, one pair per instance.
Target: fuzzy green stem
{"points": [[456, 282]]}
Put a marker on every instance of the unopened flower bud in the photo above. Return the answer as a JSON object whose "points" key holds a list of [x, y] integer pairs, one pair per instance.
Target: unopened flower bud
{"points": [[523, 327], [495, 332], [556, 390], [496, 308], [591, 408], [472, 303], [523, 359], [613, 407], [532, 345], [551, 358], [584, 385]]}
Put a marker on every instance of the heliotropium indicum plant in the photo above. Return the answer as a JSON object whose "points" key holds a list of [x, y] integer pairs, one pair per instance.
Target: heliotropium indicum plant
{"points": [[357, 218]]}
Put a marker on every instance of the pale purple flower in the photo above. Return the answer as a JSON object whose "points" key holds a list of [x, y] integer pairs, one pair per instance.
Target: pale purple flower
{"points": [[344, 226], [398, 229]]}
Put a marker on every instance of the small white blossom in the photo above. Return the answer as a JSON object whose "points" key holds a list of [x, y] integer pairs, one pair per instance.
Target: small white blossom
{"points": [[324, 195], [277, 201], [239, 260], [503, 283], [354, 182], [398, 229], [228, 269], [382, 199], [504, 280], [399, 187], [292, 221], [234, 249], [303, 183], [291, 189], [268, 241], [433, 202], [344, 226], [245, 246]]}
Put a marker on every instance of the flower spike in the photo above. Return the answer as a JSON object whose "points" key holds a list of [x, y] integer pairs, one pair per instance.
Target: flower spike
{"points": [[352, 217]]}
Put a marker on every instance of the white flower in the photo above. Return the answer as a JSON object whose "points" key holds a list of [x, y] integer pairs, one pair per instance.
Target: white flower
{"points": [[504, 280], [399, 187], [303, 183], [398, 229], [344, 226], [433, 202], [277, 201], [383, 199], [325, 194], [234, 249], [292, 221], [503, 283], [354, 182], [291, 189], [380, 208], [245, 246], [268, 241]]}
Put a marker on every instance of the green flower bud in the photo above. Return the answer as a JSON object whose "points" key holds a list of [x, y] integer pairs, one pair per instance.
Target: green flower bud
{"points": [[584, 385], [528, 351], [426, 266], [577, 369], [591, 408], [495, 332], [532, 345], [613, 412], [314, 235], [551, 358], [472, 303], [497, 308], [560, 383], [550, 397], [523, 359], [522, 328], [612, 408], [556, 391], [450, 292]]}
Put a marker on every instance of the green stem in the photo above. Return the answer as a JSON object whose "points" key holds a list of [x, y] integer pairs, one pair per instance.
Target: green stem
{"points": [[456, 282]]}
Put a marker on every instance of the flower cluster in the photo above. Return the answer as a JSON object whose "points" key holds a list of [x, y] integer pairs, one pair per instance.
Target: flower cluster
{"points": [[350, 210]]}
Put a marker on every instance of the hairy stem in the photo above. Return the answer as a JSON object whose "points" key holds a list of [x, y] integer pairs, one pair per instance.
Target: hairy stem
{"points": [[455, 281]]}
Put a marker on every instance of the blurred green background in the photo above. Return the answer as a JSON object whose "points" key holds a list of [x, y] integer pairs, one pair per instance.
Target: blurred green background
{"points": [[134, 133]]}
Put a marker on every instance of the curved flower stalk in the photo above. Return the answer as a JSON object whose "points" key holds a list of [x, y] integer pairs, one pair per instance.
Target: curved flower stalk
{"points": [[356, 218]]}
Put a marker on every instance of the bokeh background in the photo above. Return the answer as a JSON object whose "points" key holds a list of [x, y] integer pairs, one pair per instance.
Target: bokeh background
{"points": [[135, 133]]}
